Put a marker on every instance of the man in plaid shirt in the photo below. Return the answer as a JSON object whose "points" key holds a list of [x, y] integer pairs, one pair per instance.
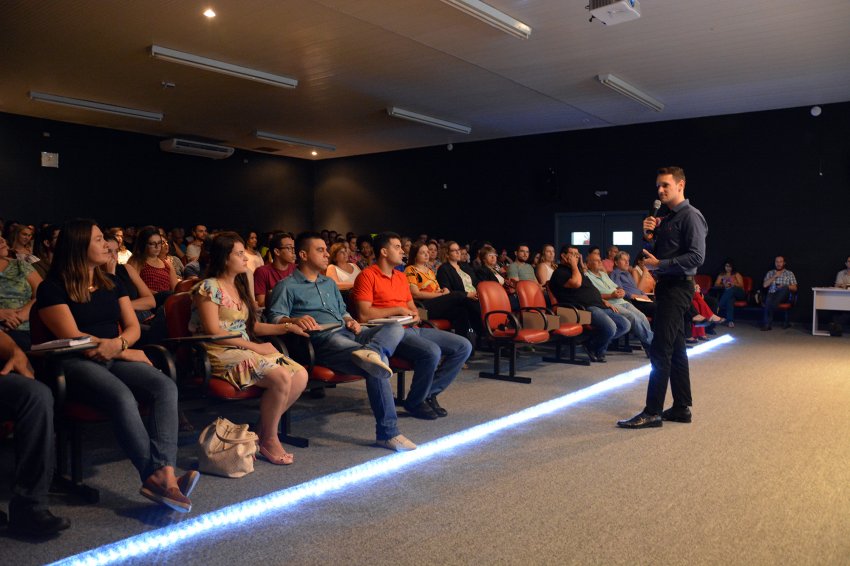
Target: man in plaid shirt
{"points": [[779, 283]]}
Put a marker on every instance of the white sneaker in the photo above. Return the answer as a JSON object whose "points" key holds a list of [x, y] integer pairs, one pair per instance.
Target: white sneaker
{"points": [[398, 443], [371, 362]]}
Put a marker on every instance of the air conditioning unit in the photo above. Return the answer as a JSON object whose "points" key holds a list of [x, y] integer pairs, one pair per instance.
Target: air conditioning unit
{"points": [[611, 12], [191, 147]]}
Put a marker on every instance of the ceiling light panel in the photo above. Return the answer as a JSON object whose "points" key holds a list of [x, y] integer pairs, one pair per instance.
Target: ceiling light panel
{"points": [[269, 136], [619, 85], [200, 62], [490, 15], [397, 112], [97, 106]]}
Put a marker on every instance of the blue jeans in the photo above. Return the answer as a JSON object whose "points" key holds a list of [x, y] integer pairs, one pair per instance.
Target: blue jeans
{"points": [[424, 347], [607, 325], [639, 322], [726, 303], [773, 300], [114, 388], [333, 350]]}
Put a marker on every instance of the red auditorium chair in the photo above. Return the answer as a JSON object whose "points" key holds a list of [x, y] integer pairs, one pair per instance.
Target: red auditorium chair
{"points": [[504, 330], [531, 298]]}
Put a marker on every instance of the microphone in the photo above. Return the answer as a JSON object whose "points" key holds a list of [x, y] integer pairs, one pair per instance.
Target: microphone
{"points": [[656, 206]]}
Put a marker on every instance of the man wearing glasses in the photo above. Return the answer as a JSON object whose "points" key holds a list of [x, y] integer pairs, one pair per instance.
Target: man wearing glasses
{"points": [[281, 267]]}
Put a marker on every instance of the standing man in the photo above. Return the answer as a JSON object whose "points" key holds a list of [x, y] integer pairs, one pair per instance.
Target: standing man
{"points": [[381, 291], [309, 300], [779, 283], [679, 249]]}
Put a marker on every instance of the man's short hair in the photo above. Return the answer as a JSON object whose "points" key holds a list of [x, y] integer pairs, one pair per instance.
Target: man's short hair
{"points": [[621, 255], [382, 240], [565, 249], [278, 237], [677, 172], [302, 241], [521, 244]]}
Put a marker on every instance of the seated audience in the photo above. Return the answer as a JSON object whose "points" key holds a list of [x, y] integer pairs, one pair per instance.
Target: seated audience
{"points": [[382, 291], [309, 299], [80, 298], [255, 260], [615, 296], [365, 251], [731, 286], [193, 248], [608, 262], [546, 266], [21, 242], [159, 275], [571, 287], [44, 246], [123, 253], [141, 297], [29, 404], [18, 284], [177, 243], [779, 283], [222, 305], [166, 256], [642, 276], [621, 276], [282, 266], [460, 278], [341, 270], [489, 269], [434, 255], [440, 302], [520, 269], [353, 248], [702, 316]]}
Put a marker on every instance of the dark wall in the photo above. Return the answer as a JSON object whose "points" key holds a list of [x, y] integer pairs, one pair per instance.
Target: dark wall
{"points": [[768, 183], [121, 178]]}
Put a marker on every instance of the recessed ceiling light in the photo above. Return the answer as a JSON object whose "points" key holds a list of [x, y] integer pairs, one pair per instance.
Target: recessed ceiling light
{"points": [[209, 12]]}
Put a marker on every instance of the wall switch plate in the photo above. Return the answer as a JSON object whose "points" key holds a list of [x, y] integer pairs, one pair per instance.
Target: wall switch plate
{"points": [[49, 159]]}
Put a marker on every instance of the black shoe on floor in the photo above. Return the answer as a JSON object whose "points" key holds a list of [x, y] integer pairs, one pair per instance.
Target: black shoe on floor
{"points": [[422, 411], [590, 355], [601, 358], [677, 414], [435, 406], [641, 420], [43, 523]]}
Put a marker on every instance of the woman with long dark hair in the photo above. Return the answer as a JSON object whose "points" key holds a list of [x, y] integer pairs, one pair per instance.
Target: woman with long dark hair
{"points": [[731, 286], [80, 298], [158, 275], [223, 305]]}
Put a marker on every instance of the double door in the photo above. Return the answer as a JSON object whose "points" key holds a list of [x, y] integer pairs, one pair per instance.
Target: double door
{"points": [[585, 230]]}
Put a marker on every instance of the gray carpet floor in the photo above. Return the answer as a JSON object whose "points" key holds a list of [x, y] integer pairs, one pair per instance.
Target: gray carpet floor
{"points": [[760, 476]]}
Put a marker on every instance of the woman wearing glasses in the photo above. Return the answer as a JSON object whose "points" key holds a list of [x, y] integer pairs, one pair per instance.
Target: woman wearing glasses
{"points": [[157, 274]]}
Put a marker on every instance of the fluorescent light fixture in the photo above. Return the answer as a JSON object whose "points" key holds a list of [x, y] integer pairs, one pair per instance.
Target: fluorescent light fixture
{"points": [[98, 106], [158, 542], [191, 60], [624, 88], [293, 141], [490, 15], [397, 112]]}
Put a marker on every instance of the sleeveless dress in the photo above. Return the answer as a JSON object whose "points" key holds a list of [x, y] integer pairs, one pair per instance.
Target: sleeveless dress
{"points": [[239, 367]]}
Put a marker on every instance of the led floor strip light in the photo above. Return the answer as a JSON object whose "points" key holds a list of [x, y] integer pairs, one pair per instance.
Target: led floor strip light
{"points": [[161, 540]]}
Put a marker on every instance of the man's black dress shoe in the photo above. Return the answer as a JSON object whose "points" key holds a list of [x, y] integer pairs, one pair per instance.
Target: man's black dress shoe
{"points": [[677, 414], [435, 406], [422, 411], [590, 355], [32, 523], [642, 420], [601, 358]]}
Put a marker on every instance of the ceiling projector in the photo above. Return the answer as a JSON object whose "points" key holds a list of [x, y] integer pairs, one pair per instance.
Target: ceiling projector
{"points": [[611, 12]]}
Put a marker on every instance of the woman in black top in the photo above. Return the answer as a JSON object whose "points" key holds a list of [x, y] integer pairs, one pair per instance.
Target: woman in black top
{"points": [[80, 298]]}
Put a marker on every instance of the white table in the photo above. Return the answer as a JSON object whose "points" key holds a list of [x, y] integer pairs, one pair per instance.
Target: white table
{"points": [[831, 299]]}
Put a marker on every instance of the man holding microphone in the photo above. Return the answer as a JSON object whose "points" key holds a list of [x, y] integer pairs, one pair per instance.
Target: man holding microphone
{"points": [[678, 242]]}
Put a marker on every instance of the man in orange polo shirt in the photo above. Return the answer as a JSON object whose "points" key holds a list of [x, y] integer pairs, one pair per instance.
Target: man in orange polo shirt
{"points": [[381, 291]]}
